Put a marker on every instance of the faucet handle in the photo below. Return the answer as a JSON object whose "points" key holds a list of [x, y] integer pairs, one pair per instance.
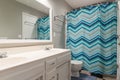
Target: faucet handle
{"points": [[47, 48], [3, 54]]}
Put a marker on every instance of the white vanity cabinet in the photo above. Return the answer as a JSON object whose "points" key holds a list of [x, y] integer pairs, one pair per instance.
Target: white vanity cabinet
{"points": [[51, 68], [30, 71], [40, 76], [63, 67], [54, 65], [63, 72], [51, 75], [58, 67]]}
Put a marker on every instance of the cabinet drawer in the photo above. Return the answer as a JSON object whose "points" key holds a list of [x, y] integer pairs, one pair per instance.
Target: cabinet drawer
{"points": [[50, 64], [40, 76], [63, 58], [51, 75]]}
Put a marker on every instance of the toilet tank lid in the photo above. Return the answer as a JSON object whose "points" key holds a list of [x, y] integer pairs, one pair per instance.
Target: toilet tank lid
{"points": [[76, 62]]}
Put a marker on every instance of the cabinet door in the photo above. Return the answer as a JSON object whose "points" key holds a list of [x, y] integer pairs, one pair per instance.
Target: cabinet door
{"points": [[51, 75], [35, 72], [63, 72], [38, 77]]}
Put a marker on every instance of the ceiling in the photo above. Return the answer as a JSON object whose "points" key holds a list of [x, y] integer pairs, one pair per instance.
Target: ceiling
{"points": [[79, 3], [36, 5]]}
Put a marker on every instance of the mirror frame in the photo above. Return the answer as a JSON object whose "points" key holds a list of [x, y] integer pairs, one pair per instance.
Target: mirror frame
{"points": [[19, 43]]}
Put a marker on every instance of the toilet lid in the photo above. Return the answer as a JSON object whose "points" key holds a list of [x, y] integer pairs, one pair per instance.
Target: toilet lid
{"points": [[76, 62]]}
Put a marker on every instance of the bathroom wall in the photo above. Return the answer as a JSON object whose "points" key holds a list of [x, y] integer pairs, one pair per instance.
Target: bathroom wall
{"points": [[118, 30], [60, 7], [18, 50], [118, 46], [11, 17]]}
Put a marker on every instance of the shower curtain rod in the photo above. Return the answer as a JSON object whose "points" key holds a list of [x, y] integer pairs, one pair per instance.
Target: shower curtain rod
{"points": [[93, 4]]}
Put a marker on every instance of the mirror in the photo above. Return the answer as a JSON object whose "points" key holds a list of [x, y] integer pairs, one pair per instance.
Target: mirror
{"points": [[24, 20]]}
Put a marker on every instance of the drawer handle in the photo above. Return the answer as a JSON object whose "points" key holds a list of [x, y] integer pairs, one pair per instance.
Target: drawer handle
{"points": [[52, 78], [52, 63]]}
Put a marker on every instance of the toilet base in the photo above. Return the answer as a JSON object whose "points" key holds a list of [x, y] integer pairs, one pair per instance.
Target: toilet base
{"points": [[75, 74]]}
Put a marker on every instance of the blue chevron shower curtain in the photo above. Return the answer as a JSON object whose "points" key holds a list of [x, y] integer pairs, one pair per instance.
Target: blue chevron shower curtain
{"points": [[91, 36], [43, 28]]}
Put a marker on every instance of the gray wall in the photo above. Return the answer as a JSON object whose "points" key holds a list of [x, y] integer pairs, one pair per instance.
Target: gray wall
{"points": [[118, 46], [11, 18], [60, 7]]}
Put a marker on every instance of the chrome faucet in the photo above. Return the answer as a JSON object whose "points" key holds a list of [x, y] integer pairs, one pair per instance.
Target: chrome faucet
{"points": [[3, 54], [47, 48]]}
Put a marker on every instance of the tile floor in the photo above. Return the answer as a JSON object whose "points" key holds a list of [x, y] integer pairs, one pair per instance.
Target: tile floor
{"points": [[108, 78], [105, 77]]}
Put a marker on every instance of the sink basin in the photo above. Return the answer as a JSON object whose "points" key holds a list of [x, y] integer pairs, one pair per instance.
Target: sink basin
{"points": [[34, 54], [5, 62]]}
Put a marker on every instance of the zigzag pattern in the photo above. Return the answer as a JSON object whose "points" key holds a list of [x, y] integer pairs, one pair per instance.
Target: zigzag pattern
{"points": [[91, 36], [43, 28]]}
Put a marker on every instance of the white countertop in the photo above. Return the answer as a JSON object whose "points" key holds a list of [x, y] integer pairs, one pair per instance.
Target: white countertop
{"points": [[22, 58]]}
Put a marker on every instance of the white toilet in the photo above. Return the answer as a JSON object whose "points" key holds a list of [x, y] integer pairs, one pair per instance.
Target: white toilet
{"points": [[76, 66]]}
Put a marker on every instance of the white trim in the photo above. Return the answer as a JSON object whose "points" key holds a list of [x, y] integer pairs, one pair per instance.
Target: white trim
{"points": [[118, 40], [21, 43], [51, 24], [65, 31]]}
